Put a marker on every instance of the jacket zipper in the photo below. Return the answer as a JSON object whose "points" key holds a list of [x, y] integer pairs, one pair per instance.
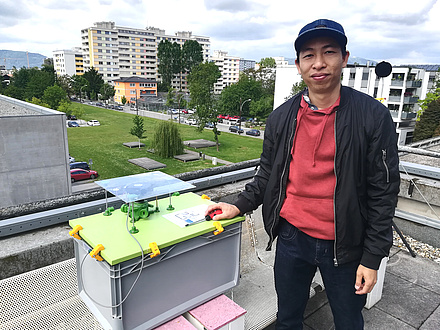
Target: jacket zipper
{"points": [[384, 160], [335, 259], [289, 147]]}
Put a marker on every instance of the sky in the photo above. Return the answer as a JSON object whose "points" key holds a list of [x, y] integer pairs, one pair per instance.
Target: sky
{"points": [[397, 31]]}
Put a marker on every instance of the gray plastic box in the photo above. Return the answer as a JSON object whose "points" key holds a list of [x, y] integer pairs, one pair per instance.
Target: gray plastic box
{"points": [[182, 277]]}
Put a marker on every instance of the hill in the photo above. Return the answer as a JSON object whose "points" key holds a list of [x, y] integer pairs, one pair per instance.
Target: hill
{"points": [[11, 58]]}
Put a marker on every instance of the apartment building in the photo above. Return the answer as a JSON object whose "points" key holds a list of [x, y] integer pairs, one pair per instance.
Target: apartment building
{"points": [[118, 52], [229, 67], [134, 88], [68, 61], [400, 91], [247, 64]]}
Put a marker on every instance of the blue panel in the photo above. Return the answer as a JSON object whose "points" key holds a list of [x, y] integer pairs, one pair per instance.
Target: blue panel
{"points": [[143, 186]]}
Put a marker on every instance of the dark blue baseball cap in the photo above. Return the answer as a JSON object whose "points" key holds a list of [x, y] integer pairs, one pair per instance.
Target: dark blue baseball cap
{"points": [[321, 28]]}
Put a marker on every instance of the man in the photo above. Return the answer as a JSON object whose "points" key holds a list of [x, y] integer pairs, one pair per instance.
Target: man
{"points": [[328, 182]]}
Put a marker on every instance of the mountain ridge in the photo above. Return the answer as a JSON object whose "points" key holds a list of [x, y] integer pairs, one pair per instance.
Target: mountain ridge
{"points": [[19, 59]]}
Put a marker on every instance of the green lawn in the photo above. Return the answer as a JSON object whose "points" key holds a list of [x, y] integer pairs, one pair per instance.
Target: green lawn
{"points": [[103, 144]]}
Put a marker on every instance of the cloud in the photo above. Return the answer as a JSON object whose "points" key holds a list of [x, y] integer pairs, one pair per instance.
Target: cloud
{"points": [[12, 12], [233, 30], [231, 6]]}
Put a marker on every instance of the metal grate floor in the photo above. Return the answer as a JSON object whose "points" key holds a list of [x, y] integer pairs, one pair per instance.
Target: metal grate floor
{"points": [[46, 298]]}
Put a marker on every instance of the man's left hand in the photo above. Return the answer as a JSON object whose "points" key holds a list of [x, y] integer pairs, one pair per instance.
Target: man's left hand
{"points": [[366, 278]]}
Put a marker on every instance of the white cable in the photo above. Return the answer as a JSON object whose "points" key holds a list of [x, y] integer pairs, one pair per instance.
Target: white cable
{"points": [[135, 281], [410, 178]]}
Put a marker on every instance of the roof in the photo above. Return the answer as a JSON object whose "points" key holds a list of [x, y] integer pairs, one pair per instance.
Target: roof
{"points": [[426, 67], [135, 79]]}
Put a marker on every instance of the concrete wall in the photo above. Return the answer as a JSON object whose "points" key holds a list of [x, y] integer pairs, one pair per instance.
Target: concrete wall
{"points": [[33, 157]]}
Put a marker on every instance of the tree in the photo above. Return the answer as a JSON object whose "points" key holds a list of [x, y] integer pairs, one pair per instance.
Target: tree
{"points": [[170, 61], [123, 100], [138, 128], [201, 86], [38, 81], [429, 122], [232, 96], [431, 96], [192, 55], [65, 82], [107, 91], [53, 96], [36, 101], [296, 88], [171, 98], [262, 108], [268, 62], [166, 140], [255, 85], [78, 84], [94, 82]]}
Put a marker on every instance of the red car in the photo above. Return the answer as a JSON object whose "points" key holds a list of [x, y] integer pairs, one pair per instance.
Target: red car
{"points": [[78, 174]]}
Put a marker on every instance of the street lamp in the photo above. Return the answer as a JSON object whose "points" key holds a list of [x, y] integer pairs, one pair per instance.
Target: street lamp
{"points": [[241, 107], [80, 92]]}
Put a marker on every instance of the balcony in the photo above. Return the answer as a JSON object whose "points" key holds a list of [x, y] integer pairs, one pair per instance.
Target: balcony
{"points": [[408, 115], [414, 83], [397, 82], [394, 114], [410, 99], [393, 98]]}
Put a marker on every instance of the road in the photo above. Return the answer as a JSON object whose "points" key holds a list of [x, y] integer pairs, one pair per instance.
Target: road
{"points": [[223, 127]]}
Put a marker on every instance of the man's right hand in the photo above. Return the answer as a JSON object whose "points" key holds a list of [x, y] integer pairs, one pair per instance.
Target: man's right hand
{"points": [[229, 211]]}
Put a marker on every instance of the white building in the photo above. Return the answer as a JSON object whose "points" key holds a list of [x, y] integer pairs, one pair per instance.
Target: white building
{"points": [[229, 67], [400, 91], [68, 61], [247, 64], [118, 52]]}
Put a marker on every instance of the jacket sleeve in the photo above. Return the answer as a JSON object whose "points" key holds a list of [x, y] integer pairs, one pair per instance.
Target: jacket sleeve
{"points": [[383, 182], [253, 194]]}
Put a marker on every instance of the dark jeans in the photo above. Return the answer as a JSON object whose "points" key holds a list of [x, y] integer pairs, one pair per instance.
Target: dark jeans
{"points": [[297, 257]]}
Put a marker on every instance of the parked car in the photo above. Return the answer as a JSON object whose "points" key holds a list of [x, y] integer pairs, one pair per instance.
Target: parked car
{"points": [[209, 125], [71, 159], [81, 165], [99, 104], [71, 117], [191, 111], [93, 123], [235, 129], [72, 124], [80, 174], [253, 132], [118, 107], [184, 111], [190, 121]]}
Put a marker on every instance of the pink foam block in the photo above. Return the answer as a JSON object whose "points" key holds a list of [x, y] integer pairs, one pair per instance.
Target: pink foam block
{"points": [[179, 323], [217, 312]]}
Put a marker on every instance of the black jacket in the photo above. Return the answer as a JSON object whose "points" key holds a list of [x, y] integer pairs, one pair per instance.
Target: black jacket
{"points": [[367, 176]]}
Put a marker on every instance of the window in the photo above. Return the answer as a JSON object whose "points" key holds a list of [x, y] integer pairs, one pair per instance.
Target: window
{"points": [[132, 85]]}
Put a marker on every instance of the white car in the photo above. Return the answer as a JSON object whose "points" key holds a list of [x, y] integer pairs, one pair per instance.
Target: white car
{"points": [[191, 121], [93, 123]]}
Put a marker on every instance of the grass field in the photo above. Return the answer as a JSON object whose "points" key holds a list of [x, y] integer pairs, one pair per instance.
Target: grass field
{"points": [[103, 144]]}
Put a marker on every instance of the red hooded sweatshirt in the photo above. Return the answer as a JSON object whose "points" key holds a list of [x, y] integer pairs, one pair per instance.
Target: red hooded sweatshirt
{"points": [[310, 187]]}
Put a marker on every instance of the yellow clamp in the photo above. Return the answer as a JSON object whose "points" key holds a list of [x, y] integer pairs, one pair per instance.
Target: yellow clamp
{"points": [[219, 227], [205, 197], [75, 230], [95, 252], [154, 249]]}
